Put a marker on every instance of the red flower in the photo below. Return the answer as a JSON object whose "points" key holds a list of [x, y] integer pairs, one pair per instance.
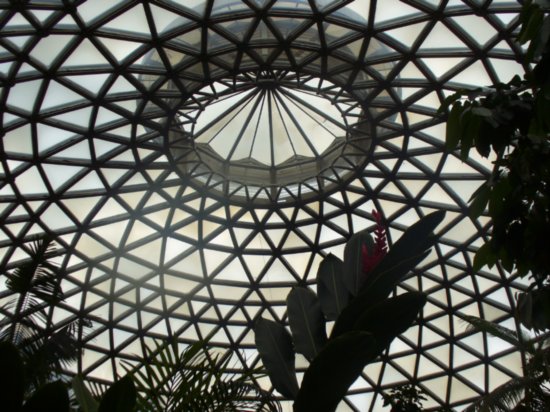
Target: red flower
{"points": [[380, 246]]}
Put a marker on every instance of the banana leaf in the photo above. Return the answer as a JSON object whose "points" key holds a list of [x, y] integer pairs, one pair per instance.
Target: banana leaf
{"points": [[332, 292], [306, 320], [411, 248], [364, 301], [383, 319], [332, 372], [354, 277], [274, 344], [391, 317]]}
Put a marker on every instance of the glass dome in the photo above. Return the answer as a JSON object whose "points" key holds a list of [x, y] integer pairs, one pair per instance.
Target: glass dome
{"points": [[194, 160]]}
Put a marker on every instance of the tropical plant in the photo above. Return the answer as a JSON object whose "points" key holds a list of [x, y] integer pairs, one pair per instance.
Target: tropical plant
{"points": [[404, 398], [511, 120], [194, 380], [530, 392], [121, 396], [45, 349], [353, 293], [50, 397]]}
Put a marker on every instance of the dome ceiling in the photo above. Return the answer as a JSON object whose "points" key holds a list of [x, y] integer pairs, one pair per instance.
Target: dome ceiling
{"points": [[195, 160]]}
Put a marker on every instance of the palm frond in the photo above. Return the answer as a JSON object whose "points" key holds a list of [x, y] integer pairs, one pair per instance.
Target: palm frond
{"points": [[506, 396], [523, 342], [46, 356], [21, 280], [194, 380]]}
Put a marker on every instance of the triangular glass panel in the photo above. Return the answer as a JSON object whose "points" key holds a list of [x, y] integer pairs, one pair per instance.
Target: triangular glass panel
{"points": [[119, 49], [352, 49], [262, 34], [86, 54], [356, 10], [479, 30], [190, 40], [237, 29], [22, 95], [217, 41], [407, 35], [233, 271], [287, 26], [459, 391], [132, 20], [392, 10], [221, 7], [59, 95], [473, 75], [166, 20], [335, 33], [309, 37], [49, 48]]}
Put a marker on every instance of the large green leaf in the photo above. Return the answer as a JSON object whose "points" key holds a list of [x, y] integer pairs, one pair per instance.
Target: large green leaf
{"points": [[332, 372], [120, 397], [52, 397], [306, 320], [347, 319], [411, 248], [11, 377], [275, 347], [332, 292], [354, 277], [391, 317], [83, 396]]}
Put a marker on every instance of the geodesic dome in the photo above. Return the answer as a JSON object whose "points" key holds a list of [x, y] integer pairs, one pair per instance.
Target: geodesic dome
{"points": [[195, 160]]}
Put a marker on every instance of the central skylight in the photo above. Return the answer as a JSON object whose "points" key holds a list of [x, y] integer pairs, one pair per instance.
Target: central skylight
{"points": [[270, 123], [270, 132]]}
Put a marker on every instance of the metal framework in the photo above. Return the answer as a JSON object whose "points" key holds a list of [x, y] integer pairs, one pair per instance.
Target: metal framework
{"points": [[196, 159]]}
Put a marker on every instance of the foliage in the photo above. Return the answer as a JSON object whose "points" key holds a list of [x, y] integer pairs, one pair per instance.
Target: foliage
{"points": [[530, 392], [405, 398], [119, 397], [511, 121], [194, 380], [366, 319], [50, 397], [533, 307], [44, 348]]}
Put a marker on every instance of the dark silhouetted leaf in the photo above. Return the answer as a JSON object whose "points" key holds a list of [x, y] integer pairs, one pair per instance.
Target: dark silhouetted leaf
{"points": [[332, 292], [332, 372], [120, 397], [484, 256], [391, 317], [347, 319], [403, 256], [11, 377], [480, 199], [353, 260], [306, 320], [275, 347], [52, 397]]}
